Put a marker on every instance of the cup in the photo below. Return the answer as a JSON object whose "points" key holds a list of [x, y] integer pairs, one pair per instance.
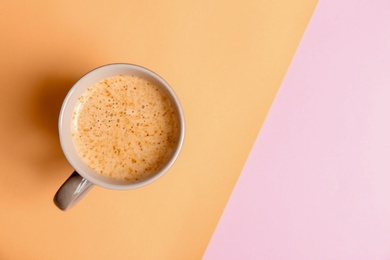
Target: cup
{"points": [[84, 178]]}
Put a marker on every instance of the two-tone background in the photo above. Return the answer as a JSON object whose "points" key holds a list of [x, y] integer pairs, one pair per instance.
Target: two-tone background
{"points": [[313, 182]]}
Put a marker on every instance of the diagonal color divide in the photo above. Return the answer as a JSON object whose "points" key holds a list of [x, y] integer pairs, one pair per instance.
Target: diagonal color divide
{"points": [[316, 184], [224, 59]]}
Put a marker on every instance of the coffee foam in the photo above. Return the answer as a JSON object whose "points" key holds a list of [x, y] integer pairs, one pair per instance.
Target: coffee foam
{"points": [[124, 127]]}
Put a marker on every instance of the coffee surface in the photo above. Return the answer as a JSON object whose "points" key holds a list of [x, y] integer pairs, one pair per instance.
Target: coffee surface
{"points": [[124, 127]]}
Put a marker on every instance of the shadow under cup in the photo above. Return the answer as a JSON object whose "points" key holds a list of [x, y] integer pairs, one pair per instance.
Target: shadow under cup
{"points": [[65, 124]]}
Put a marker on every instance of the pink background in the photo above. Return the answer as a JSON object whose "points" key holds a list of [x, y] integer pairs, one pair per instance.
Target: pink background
{"points": [[317, 182]]}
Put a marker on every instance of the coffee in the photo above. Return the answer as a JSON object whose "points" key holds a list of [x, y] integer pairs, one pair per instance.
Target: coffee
{"points": [[124, 127]]}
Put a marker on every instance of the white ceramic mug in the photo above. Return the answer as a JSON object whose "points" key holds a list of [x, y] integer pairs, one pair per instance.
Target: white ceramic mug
{"points": [[84, 178]]}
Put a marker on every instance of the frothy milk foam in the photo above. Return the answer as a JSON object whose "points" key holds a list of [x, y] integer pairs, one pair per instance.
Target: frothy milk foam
{"points": [[124, 127]]}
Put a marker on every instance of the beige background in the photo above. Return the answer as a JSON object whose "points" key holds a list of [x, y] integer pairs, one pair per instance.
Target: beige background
{"points": [[225, 60]]}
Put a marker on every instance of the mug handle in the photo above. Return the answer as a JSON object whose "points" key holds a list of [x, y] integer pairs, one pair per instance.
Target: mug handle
{"points": [[72, 191]]}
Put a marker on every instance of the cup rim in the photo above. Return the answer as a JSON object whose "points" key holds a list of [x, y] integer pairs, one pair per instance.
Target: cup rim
{"points": [[65, 131]]}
